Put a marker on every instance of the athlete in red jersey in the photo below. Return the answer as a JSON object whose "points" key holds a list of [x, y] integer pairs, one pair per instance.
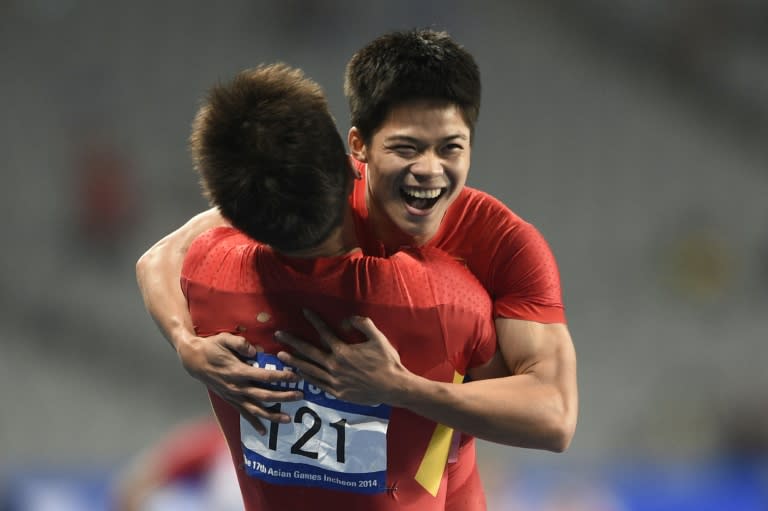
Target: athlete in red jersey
{"points": [[250, 142], [437, 311], [507, 254], [414, 99], [522, 277]]}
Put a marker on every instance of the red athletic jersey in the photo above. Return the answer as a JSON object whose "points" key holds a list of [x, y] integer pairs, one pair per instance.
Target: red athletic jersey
{"points": [[433, 311], [508, 255]]}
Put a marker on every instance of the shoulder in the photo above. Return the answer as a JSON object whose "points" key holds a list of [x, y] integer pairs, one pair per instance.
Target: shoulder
{"points": [[211, 248], [481, 206], [477, 214], [480, 220], [448, 269], [222, 235], [449, 278]]}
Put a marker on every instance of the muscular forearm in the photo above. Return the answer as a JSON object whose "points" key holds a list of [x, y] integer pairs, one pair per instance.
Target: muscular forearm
{"points": [[535, 407], [158, 272], [516, 410]]}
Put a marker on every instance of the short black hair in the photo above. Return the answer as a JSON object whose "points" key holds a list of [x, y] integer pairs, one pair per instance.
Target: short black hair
{"points": [[270, 157], [403, 66]]}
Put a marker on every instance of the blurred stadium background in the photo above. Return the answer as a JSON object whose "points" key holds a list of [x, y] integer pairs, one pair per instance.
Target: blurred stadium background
{"points": [[631, 132]]}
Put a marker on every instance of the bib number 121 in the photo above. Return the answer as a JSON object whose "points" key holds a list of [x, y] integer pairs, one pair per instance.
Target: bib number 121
{"points": [[317, 423]]}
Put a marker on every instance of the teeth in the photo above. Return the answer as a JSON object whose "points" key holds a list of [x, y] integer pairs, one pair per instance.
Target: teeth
{"points": [[422, 193]]}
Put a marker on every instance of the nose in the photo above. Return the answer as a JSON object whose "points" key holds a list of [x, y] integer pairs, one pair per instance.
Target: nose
{"points": [[429, 165]]}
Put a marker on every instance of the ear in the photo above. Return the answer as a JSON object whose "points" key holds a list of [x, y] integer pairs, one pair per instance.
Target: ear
{"points": [[356, 145]]}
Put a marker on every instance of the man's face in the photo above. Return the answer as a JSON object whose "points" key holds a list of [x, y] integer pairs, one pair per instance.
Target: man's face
{"points": [[418, 163]]}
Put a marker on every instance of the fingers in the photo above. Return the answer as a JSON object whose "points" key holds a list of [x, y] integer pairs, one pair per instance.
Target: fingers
{"points": [[313, 373], [326, 335], [238, 345], [251, 404], [250, 391], [306, 350], [256, 416], [366, 326], [272, 376]]}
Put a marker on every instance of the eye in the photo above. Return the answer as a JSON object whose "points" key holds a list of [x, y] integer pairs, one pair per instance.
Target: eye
{"points": [[452, 149], [405, 151]]}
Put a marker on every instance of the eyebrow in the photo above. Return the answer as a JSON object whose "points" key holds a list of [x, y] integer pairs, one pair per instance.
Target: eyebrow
{"points": [[414, 140]]}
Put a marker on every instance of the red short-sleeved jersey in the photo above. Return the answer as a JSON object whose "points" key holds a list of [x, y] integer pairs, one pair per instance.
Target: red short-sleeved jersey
{"points": [[435, 313], [508, 255]]}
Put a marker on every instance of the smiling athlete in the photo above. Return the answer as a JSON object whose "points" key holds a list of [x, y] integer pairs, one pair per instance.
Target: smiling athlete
{"points": [[414, 98], [269, 155]]}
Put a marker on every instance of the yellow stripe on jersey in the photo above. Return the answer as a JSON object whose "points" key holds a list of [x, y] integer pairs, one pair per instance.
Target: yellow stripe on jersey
{"points": [[432, 466]]}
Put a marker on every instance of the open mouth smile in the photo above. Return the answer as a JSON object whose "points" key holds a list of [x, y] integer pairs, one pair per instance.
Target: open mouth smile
{"points": [[422, 199]]}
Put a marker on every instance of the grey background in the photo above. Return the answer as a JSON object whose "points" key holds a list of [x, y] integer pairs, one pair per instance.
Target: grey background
{"points": [[631, 133]]}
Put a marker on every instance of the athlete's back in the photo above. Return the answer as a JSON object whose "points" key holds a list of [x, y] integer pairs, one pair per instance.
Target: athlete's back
{"points": [[433, 311]]}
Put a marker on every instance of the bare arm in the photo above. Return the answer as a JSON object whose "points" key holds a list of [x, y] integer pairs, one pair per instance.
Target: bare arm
{"points": [[158, 271], [535, 407], [214, 361]]}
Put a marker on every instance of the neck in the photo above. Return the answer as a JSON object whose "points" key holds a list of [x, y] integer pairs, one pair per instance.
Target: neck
{"points": [[388, 232], [340, 241]]}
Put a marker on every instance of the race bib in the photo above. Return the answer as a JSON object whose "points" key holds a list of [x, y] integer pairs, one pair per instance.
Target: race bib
{"points": [[330, 443]]}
